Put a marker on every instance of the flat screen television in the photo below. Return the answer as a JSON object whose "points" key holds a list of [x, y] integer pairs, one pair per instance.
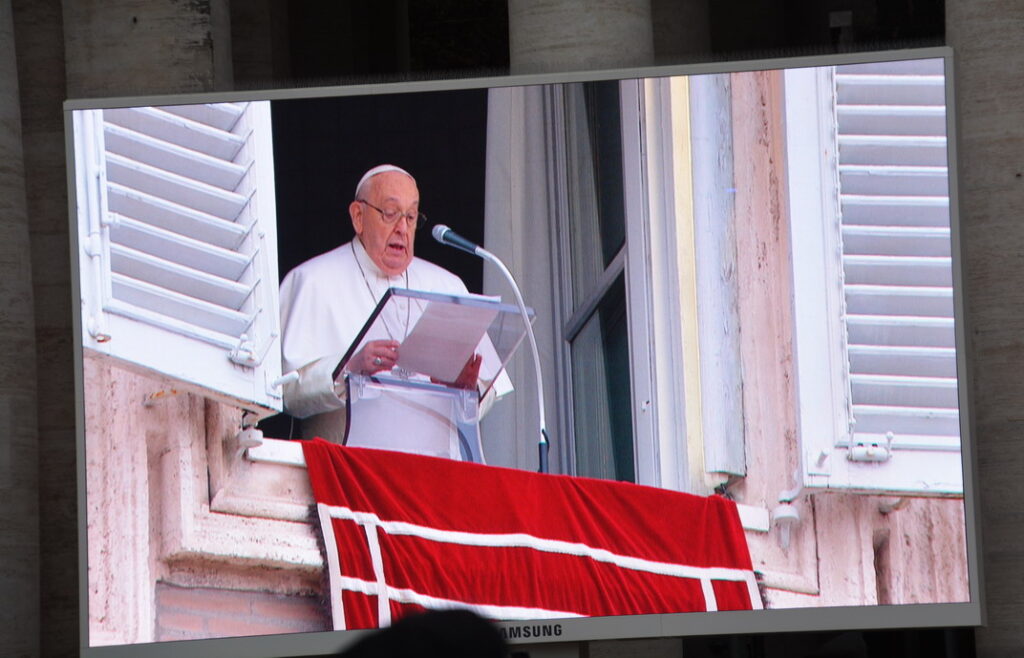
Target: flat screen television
{"points": [[746, 280]]}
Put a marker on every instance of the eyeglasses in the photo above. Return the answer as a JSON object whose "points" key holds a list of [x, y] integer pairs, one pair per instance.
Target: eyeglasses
{"points": [[415, 220]]}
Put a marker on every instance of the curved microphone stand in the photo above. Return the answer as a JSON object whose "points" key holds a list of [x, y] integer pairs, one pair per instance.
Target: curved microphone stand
{"points": [[445, 235]]}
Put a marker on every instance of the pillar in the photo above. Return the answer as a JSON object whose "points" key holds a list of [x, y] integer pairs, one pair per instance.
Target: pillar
{"points": [[80, 49], [19, 476], [578, 35], [988, 41], [135, 47]]}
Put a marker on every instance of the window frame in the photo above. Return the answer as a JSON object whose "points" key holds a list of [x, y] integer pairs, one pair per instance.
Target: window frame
{"points": [[571, 321]]}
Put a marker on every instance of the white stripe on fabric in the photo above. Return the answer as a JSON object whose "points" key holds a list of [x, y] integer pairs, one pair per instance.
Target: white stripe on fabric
{"points": [[504, 612], [523, 540], [327, 528], [710, 601], [381, 586], [754, 592]]}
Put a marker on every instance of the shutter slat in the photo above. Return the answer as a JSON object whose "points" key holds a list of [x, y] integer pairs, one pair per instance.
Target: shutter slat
{"points": [[185, 191], [919, 150], [888, 80], [176, 305], [173, 158], [891, 113], [903, 391], [896, 240], [178, 130], [178, 278], [879, 419], [894, 300], [222, 116], [902, 67], [900, 330], [881, 89], [895, 141], [894, 180], [174, 216], [901, 360], [898, 270], [902, 200], [196, 255], [879, 213], [891, 119]]}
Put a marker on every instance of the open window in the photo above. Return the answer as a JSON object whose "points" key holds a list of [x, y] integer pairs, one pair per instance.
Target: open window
{"points": [[638, 362], [738, 284]]}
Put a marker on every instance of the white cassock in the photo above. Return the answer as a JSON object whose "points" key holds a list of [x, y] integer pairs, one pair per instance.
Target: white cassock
{"points": [[325, 302]]}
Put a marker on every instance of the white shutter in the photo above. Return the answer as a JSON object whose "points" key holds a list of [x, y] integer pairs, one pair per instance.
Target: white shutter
{"points": [[895, 270], [177, 229], [894, 194]]}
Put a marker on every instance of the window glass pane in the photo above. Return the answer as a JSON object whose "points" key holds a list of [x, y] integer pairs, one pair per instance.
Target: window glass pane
{"points": [[601, 391], [596, 208]]}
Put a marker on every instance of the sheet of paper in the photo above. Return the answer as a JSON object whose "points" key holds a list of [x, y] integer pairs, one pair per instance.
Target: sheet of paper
{"points": [[444, 339]]}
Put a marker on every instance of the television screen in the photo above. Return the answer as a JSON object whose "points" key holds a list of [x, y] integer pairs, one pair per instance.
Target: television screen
{"points": [[744, 389]]}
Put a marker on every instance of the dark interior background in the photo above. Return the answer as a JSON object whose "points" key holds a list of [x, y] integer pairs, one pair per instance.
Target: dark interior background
{"points": [[322, 147]]}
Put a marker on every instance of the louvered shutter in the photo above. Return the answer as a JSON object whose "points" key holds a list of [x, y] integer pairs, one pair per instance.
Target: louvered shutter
{"points": [[177, 228], [896, 337]]}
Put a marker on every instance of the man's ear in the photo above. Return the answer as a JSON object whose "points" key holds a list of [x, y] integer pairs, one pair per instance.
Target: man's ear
{"points": [[355, 212]]}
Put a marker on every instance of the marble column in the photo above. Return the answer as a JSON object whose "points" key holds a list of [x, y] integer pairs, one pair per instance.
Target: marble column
{"points": [[136, 47], [578, 35], [19, 475], [988, 41], [82, 49], [39, 39]]}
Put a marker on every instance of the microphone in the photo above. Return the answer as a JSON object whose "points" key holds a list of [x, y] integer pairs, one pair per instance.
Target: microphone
{"points": [[446, 235]]}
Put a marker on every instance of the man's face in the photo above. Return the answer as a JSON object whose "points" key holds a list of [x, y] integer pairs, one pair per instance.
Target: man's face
{"points": [[388, 245]]}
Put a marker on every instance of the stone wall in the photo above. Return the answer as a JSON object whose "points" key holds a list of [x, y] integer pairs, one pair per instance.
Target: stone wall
{"points": [[187, 613]]}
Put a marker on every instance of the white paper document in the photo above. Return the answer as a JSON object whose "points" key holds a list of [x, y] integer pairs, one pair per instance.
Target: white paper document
{"points": [[444, 339]]}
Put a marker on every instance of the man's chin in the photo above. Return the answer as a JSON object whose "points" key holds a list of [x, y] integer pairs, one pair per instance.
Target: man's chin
{"points": [[395, 266]]}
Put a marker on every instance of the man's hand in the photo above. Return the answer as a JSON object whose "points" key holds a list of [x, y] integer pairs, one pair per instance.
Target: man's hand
{"points": [[467, 378], [375, 356]]}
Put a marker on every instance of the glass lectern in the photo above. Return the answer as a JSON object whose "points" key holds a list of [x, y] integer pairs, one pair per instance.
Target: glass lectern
{"points": [[417, 406]]}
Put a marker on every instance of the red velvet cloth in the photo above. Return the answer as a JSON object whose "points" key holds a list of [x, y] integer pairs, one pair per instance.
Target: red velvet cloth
{"points": [[411, 532]]}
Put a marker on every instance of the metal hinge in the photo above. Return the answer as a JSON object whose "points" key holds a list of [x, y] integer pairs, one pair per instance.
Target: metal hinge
{"points": [[870, 448], [244, 353], [248, 353]]}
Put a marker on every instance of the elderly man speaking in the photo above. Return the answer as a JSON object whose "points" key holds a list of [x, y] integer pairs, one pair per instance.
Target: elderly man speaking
{"points": [[327, 300]]}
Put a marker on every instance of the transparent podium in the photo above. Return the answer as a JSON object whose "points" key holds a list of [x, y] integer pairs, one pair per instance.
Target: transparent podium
{"points": [[417, 406]]}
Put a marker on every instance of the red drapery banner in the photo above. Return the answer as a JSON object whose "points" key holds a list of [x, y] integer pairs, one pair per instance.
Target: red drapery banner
{"points": [[406, 532]]}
